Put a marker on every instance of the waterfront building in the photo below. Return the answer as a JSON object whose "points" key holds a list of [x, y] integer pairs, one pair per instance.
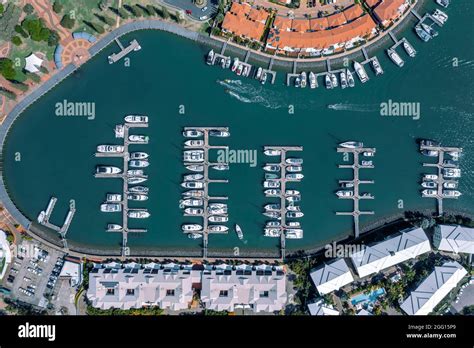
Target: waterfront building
{"points": [[244, 21], [135, 287], [433, 289], [454, 238], [72, 270], [331, 276], [408, 244], [262, 289], [389, 11], [314, 43], [321, 308], [5, 254]]}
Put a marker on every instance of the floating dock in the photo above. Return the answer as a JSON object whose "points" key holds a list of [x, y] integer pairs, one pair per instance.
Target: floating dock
{"points": [[133, 46], [67, 221], [283, 181], [440, 165], [123, 175], [206, 164], [356, 181]]}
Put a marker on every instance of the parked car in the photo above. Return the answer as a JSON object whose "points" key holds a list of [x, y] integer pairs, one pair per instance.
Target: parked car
{"points": [[202, 18], [204, 9]]}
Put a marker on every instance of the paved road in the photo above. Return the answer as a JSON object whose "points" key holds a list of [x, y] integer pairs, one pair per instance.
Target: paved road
{"points": [[466, 299], [196, 12]]}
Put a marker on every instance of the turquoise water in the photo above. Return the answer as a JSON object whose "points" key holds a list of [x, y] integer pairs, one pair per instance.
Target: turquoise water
{"points": [[169, 72], [371, 297]]}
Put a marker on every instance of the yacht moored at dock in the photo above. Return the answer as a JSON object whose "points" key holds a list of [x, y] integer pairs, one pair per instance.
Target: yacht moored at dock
{"points": [[108, 170], [110, 148], [192, 133], [136, 119], [138, 155], [422, 34], [111, 207], [239, 232], [191, 227], [210, 57], [360, 71], [409, 49], [343, 79], [138, 214], [352, 144], [312, 80], [350, 78], [395, 58]]}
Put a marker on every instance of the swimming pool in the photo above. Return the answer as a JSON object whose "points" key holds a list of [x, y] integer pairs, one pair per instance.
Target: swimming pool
{"points": [[371, 297]]}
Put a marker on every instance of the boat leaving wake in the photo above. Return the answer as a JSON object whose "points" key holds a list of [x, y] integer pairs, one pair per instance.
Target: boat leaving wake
{"points": [[247, 93], [354, 107]]}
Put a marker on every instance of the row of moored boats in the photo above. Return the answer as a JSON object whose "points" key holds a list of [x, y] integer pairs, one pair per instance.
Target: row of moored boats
{"points": [[273, 171], [445, 186], [134, 176]]}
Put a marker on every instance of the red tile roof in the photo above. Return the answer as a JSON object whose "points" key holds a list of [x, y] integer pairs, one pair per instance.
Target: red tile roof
{"points": [[336, 19], [323, 39], [389, 9], [240, 9], [242, 26], [282, 23], [301, 25], [318, 23], [372, 3], [353, 12], [260, 15]]}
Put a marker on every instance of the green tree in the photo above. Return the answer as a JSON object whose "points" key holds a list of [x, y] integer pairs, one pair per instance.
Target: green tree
{"points": [[151, 10], [2, 9], [33, 77], [68, 22], [19, 29], [165, 13], [122, 13], [53, 39], [9, 94], [96, 27], [7, 69], [57, 7], [16, 40], [28, 9]]}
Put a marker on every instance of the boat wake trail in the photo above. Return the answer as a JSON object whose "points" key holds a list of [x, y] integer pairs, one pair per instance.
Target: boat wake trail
{"points": [[247, 93], [354, 107]]}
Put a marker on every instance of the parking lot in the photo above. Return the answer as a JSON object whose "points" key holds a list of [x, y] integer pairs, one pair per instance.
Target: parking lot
{"points": [[193, 11], [465, 298], [31, 273]]}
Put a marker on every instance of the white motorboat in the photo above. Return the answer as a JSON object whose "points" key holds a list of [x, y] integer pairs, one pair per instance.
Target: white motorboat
{"points": [[294, 161], [294, 224], [430, 177], [139, 163], [368, 153], [292, 193], [194, 211], [139, 139], [210, 57], [111, 207], [429, 193], [218, 218], [108, 170], [334, 81], [114, 227], [136, 172], [395, 57], [294, 214], [136, 119], [137, 197], [194, 143], [138, 155], [194, 193], [440, 16], [272, 214], [193, 177], [328, 81], [303, 80], [367, 163], [272, 232], [409, 49], [239, 232], [235, 65], [138, 214], [343, 79], [293, 208], [218, 133], [451, 172], [312, 80], [271, 184], [193, 184], [293, 198], [218, 228], [360, 71], [272, 152], [429, 184], [138, 189], [294, 176], [451, 193], [377, 67], [193, 133], [258, 75], [450, 184], [352, 144], [110, 148], [119, 131], [191, 202], [195, 167], [350, 78], [344, 193], [272, 207], [273, 224], [294, 169], [271, 168], [272, 192], [113, 197], [221, 166], [191, 227], [136, 180], [194, 235], [443, 3], [294, 233]]}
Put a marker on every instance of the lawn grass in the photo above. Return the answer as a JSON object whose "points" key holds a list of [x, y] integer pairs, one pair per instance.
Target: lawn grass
{"points": [[19, 53]]}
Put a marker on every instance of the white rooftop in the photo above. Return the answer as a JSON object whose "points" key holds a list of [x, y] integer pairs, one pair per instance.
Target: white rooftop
{"points": [[331, 276], [456, 239], [320, 308], [406, 245], [433, 289], [5, 253], [33, 62], [72, 270]]}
